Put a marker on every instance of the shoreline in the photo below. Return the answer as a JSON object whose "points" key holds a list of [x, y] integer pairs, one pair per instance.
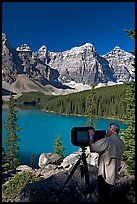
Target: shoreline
{"points": [[109, 118], [5, 108]]}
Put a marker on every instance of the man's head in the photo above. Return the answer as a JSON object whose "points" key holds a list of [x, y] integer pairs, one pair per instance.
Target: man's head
{"points": [[91, 131], [113, 129]]}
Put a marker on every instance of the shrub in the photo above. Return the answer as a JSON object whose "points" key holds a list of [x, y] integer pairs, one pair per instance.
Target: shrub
{"points": [[16, 184]]}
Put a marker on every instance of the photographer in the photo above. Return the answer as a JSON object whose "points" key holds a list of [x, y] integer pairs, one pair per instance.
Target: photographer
{"points": [[110, 149]]}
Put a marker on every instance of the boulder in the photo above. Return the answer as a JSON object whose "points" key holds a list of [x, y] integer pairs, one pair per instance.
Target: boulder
{"points": [[70, 160], [49, 158], [23, 168]]}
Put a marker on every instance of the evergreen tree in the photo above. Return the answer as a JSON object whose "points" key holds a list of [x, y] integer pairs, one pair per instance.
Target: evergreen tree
{"points": [[129, 133], [32, 161], [59, 148], [91, 107], [11, 140], [5, 165]]}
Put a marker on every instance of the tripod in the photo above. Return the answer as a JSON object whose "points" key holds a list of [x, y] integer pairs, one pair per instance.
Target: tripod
{"points": [[84, 171]]}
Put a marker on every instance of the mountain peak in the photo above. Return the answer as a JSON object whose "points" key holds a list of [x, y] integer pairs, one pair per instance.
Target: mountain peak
{"points": [[117, 48], [43, 48], [23, 47], [4, 38], [86, 46], [3, 35]]}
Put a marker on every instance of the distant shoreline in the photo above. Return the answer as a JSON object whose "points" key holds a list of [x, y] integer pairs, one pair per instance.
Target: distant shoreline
{"points": [[5, 108], [109, 118]]}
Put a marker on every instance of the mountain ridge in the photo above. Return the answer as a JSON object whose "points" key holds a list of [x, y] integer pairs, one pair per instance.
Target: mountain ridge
{"points": [[78, 65]]}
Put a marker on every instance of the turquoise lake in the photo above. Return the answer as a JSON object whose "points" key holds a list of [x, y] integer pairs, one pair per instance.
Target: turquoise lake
{"points": [[39, 131]]}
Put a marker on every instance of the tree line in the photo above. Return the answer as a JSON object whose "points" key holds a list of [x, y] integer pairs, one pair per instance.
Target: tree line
{"points": [[109, 102]]}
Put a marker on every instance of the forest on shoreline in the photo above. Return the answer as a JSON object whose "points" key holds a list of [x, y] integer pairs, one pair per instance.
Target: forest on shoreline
{"points": [[109, 102]]}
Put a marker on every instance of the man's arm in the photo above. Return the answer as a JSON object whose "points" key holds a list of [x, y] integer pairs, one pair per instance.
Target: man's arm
{"points": [[98, 146]]}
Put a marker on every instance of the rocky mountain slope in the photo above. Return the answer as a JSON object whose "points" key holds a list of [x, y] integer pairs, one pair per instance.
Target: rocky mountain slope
{"points": [[61, 72]]}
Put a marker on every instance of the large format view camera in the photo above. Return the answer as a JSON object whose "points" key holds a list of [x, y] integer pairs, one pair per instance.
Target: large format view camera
{"points": [[80, 136]]}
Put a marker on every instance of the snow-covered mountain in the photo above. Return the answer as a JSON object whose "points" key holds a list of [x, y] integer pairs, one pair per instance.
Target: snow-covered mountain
{"points": [[121, 62], [81, 66]]}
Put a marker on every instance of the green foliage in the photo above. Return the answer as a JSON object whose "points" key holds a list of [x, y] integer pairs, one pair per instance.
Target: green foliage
{"points": [[11, 140], [16, 184], [34, 97], [91, 107], [5, 166], [131, 33], [59, 148], [129, 133], [3, 155], [108, 102]]}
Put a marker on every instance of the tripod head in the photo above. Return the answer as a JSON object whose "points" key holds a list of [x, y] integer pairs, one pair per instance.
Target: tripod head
{"points": [[83, 148]]}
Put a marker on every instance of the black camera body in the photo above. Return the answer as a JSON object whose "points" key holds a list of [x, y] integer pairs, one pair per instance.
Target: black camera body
{"points": [[80, 136]]}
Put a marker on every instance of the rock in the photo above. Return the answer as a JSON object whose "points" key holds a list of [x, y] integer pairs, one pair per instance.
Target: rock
{"points": [[43, 160], [70, 160], [124, 190], [55, 188], [38, 172], [54, 159], [24, 48], [51, 161], [8, 174], [92, 159], [121, 64], [48, 158], [24, 168], [68, 184], [51, 189]]}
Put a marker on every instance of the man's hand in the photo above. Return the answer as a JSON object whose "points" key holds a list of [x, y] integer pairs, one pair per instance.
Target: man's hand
{"points": [[91, 136]]}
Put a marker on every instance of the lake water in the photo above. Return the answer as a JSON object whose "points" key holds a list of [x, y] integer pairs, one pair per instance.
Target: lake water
{"points": [[39, 131]]}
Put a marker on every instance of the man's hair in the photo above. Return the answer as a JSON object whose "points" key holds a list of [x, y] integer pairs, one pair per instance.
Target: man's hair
{"points": [[91, 128], [115, 127]]}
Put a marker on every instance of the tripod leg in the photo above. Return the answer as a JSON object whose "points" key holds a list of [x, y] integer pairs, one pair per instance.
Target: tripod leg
{"points": [[72, 172], [87, 180]]}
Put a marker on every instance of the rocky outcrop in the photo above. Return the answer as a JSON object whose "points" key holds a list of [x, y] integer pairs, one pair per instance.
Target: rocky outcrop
{"points": [[64, 182], [11, 62], [49, 158], [51, 189]]}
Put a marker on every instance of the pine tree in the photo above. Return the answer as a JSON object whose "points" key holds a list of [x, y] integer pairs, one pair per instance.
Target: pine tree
{"points": [[129, 133], [91, 107], [59, 148], [12, 140], [32, 161], [5, 165]]}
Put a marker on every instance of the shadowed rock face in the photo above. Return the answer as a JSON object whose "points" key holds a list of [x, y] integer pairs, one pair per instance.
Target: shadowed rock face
{"points": [[80, 64], [65, 182], [50, 189]]}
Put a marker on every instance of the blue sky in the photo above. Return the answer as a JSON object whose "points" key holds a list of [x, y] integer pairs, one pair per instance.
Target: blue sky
{"points": [[63, 25]]}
